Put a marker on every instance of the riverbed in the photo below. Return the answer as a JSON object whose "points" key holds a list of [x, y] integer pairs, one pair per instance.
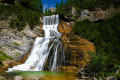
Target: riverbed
{"points": [[41, 75]]}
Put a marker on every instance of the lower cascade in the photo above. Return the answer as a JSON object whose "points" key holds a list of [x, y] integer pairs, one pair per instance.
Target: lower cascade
{"points": [[47, 53]]}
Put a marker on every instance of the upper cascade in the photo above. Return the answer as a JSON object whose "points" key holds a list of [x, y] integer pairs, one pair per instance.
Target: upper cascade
{"points": [[51, 20]]}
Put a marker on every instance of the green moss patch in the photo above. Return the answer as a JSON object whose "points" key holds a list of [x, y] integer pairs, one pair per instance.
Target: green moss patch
{"points": [[3, 57]]}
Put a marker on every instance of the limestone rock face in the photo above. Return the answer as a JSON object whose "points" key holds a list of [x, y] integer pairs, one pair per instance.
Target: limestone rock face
{"points": [[16, 43], [98, 14], [77, 49]]}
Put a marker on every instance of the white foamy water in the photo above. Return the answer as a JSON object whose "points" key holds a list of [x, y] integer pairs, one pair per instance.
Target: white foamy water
{"points": [[47, 53]]}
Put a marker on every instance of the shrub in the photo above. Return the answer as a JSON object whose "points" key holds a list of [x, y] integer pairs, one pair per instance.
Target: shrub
{"points": [[105, 36]]}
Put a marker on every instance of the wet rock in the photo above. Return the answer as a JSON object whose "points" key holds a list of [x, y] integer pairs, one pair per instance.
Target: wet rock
{"points": [[18, 78]]}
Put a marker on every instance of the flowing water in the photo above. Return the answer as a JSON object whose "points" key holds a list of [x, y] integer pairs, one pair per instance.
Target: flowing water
{"points": [[47, 53]]}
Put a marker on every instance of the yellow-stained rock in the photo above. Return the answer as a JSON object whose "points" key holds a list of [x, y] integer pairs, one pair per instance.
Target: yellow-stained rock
{"points": [[77, 49], [9, 63]]}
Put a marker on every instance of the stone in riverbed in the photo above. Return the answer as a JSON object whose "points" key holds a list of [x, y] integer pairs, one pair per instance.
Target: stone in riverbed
{"points": [[18, 78]]}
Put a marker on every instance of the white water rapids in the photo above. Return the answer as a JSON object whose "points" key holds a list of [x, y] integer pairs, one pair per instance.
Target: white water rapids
{"points": [[47, 53]]}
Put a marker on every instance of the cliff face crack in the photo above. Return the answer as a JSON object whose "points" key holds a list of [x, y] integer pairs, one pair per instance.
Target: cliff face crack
{"points": [[47, 53]]}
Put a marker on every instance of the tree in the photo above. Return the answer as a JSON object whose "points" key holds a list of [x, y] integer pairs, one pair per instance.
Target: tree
{"points": [[57, 5], [40, 6], [62, 4]]}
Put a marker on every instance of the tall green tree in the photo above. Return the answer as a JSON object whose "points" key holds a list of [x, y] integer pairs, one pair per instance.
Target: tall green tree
{"points": [[62, 4], [57, 5], [40, 6]]}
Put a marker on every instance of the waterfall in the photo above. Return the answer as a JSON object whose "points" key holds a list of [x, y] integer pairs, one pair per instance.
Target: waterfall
{"points": [[47, 53]]}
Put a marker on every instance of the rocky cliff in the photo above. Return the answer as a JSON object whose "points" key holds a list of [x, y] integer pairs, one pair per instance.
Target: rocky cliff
{"points": [[77, 49], [17, 43], [98, 14]]}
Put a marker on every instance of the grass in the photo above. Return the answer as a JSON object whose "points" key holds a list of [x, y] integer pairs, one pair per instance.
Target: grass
{"points": [[3, 57], [17, 44]]}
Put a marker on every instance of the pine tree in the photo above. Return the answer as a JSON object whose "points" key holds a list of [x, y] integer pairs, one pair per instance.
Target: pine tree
{"points": [[62, 4], [39, 5], [46, 10], [57, 5]]}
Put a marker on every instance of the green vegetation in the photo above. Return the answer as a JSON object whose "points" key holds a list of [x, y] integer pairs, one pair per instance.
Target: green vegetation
{"points": [[2, 79], [91, 4], [21, 13], [48, 12], [17, 44], [65, 8], [3, 57], [105, 36]]}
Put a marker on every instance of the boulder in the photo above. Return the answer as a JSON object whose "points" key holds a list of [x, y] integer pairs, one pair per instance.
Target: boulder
{"points": [[18, 78]]}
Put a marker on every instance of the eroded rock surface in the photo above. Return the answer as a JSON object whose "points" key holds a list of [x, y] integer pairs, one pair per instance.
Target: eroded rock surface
{"points": [[77, 49], [16, 43], [98, 14]]}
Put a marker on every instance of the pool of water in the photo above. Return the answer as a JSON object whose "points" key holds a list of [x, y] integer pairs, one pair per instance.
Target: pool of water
{"points": [[41, 75]]}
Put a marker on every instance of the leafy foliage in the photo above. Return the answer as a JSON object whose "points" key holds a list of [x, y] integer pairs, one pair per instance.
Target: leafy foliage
{"points": [[105, 36], [64, 8]]}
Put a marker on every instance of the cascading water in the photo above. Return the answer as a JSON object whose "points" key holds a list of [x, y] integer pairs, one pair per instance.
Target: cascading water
{"points": [[47, 53]]}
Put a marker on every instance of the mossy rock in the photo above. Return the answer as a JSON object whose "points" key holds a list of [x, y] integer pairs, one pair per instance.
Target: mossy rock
{"points": [[3, 57]]}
